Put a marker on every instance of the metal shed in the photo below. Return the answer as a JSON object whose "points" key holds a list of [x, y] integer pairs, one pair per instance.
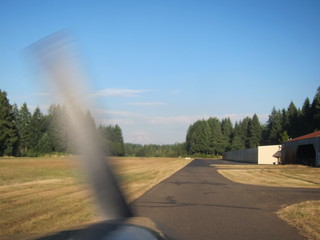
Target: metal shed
{"points": [[302, 150]]}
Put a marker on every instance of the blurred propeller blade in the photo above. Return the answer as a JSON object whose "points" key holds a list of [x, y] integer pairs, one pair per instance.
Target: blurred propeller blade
{"points": [[55, 57]]}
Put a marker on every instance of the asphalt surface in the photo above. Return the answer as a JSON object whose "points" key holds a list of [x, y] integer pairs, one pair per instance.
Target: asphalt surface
{"points": [[199, 203]]}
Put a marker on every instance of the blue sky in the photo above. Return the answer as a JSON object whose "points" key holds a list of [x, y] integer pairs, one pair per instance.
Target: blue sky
{"points": [[155, 67]]}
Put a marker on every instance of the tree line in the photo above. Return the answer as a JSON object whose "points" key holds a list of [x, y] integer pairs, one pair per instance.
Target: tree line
{"points": [[153, 150], [23, 133], [213, 137]]}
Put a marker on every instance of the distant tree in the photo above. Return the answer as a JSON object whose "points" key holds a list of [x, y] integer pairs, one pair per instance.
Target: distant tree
{"points": [[227, 131], [38, 129], [112, 140], [131, 149], [293, 118], [153, 150], [274, 126], [198, 138], [45, 144], [105, 138], [254, 132], [141, 152], [264, 135], [242, 131], [315, 111], [201, 137], [8, 130], [23, 122], [178, 149], [190, 139], [237, 140], [285, 122], [306, 118], [58, 128], [117, 142], [217, 141], [237, 143], [284, 136]]}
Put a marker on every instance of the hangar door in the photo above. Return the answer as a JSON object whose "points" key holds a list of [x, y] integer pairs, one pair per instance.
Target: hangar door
{"points": [[306, 155]]}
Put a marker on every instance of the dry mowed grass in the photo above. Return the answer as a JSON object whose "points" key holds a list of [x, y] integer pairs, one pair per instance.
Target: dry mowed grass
{"points": [[304, 216], [39, 195], [138, 175], [272, 175]]}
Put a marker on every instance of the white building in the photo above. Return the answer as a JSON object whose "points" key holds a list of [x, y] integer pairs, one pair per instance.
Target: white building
{"points": [[260, 155]]}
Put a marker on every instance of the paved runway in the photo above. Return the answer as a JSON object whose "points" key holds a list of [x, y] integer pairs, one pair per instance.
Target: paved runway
{"points": [[199, 203]]}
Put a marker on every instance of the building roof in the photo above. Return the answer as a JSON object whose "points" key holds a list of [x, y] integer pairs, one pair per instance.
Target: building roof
{"points": [[310, 135]]}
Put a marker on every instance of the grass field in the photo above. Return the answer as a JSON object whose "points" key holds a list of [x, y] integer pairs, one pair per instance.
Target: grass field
{"points": [[304, 216], [272, 175], [39, 195]]}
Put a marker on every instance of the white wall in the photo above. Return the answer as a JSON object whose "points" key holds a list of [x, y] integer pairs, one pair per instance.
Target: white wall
{"points": [[265, 154], [260, 155]]}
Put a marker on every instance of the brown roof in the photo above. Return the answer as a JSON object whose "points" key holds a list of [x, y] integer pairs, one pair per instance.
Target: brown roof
{"points": [[310, 135]]}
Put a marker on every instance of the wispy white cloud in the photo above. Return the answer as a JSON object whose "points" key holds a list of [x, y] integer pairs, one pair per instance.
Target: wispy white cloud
{"points": [[146, 104], [119, 92]]}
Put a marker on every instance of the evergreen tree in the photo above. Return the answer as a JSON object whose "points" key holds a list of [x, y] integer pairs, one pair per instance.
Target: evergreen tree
{"points": [[237, 143], [24, 128], [285, 123], [117, 142], [264, 137], [306, 118], [38, 128], [218, 143], [227, 131], [8, 130], [189, 139], [284, 136], [243, 131], [112, 140], [274, 126], [198, 138], [254, 132], [201, 137], [58, 128], [315, 110], [293, 118], [45, 144]]}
